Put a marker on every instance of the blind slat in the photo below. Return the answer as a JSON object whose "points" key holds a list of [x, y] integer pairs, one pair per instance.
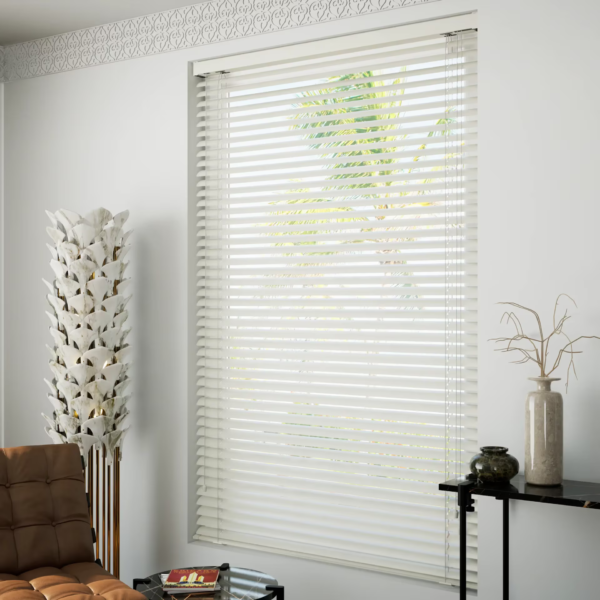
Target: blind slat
{"points": [[464, 140]]}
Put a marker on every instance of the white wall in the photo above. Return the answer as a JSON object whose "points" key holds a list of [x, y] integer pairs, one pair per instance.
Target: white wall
{"points": [[116, 136], [538, 236]]}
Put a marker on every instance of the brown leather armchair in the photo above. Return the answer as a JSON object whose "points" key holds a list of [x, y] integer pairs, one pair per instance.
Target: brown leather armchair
{"points": [[46, 548]]}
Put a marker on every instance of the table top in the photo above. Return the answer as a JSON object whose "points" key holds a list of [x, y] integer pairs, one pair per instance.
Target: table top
{"points": [[580, 494], [236, 584]]}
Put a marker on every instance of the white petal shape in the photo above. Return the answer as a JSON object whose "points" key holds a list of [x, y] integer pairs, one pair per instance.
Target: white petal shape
{"points": [[68, 218], [82, 374], [83, 338], [111, 337], [112, 373], [121, 418], [68, 252], [59, 268], [70, 355], [98, 218], [84, 441], [53, 251], [69, 424], [69, 321], [59, 338], [123, 252], [56, 235], [121, 440], [68, 389], [98, 320], [99, 357], [120, 218], [125, 370], [53, 320], [84, 234], [111, 406], [112, 305], [56, 437], [124, 355], [125, 399], [50, 420], [99, 288], [121, 387], [50, 286], [120, 319], [82, 304], [52, 353], [126, 236], [124, 266], [126, 332], [60, 372], [84, 407], [59, 406], [82, 269], [98, 389], [52, 218], [112, 270], [109, 236], [124, 286], [97, 252], [55, 302], [68, 287], [111, 441], [125, 302], [98, 425], [51, 386]]}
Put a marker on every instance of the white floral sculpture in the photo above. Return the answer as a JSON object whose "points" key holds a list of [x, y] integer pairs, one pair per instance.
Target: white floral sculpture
{"points": [[89, 359]]}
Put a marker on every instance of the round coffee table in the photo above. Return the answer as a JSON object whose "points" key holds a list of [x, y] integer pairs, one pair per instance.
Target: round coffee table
{"points": [[236, 584]]}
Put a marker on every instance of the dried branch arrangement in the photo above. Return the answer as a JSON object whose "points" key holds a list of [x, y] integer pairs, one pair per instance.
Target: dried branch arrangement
{"points": [[537, 348]]}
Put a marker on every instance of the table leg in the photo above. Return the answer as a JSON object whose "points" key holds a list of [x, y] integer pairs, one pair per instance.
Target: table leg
{"points": [[279, 591], [465, 505], [505, 549], [137, 582]]}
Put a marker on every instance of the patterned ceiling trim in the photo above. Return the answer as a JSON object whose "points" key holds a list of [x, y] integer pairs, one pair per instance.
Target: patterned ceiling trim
{"points": [[206, 23]]}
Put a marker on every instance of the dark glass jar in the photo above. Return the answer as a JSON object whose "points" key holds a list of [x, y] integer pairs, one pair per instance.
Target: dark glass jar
{"points": [[494, 465]]}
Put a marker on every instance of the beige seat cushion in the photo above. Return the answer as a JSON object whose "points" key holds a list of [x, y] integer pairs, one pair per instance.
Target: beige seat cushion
{"points": [[79, 581]]}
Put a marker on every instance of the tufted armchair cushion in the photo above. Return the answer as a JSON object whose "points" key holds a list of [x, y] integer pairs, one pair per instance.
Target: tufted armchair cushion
{"points": [[46, 548], [44, 518]]}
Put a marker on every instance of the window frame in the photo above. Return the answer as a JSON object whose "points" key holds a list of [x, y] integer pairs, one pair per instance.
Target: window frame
{"points": [[273, 57]]}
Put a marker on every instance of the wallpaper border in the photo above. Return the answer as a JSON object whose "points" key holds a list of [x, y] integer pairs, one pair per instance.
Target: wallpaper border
{"points": [[177, 29]]}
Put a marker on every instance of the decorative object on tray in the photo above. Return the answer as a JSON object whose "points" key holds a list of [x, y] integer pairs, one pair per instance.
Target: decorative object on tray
{"points": [[544, 408], [494, 465], [191, 581], [90, 356]]}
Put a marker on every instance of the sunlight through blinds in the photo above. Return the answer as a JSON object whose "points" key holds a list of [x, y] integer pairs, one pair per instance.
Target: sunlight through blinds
{"points": [[337, 304]]}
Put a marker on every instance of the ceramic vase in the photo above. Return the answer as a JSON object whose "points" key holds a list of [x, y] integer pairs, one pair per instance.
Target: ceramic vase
{"points": [[494, 465], [544, 435]]}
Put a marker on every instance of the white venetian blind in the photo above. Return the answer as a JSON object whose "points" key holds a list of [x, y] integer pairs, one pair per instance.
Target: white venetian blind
{"points": [[336, 303]]}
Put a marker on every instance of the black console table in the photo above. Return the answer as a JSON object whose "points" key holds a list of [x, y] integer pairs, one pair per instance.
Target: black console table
{"points": [[571, 493]]}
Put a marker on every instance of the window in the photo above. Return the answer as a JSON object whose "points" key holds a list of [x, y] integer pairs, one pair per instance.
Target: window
{"points": [[336, 295]]}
